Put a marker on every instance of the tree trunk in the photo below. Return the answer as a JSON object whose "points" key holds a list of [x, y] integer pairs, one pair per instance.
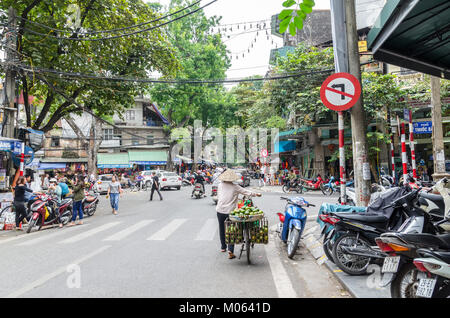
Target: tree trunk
{"points": [[95, 140]]}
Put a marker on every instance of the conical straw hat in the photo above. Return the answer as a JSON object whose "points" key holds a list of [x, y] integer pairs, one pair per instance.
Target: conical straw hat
{"points": [[228, 176]]}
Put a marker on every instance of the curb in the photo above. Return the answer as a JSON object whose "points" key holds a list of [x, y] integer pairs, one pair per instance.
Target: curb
{"points": [[356, 286]]}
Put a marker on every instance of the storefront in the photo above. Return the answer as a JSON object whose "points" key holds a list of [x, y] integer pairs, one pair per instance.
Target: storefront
{"points": [[148, 160]]}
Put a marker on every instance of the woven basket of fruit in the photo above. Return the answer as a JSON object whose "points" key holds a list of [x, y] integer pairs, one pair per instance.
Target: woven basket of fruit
{"points": [[233, 233], [246, 214], [259, 231]]}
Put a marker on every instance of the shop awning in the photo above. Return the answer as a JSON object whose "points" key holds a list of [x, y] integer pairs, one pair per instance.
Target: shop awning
{"points": [[148, 157], [51, 165], [294, 131], [113, 160], [285, 145], [413, 34]]}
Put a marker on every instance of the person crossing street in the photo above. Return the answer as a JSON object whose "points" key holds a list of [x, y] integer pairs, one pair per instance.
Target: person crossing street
{"points": [[155, 186]]}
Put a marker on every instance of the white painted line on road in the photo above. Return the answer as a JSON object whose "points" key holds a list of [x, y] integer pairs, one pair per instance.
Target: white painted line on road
{"points": [[128, 231], [208, 231], [166, 231], [45, 237], [86, 234], [280, 277], [54, 274], [22, 236]]}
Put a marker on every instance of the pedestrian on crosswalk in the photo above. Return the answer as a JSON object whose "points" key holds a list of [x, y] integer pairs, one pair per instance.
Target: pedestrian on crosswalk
{"points": [[227, 199], [155, 187], [114, 191]]}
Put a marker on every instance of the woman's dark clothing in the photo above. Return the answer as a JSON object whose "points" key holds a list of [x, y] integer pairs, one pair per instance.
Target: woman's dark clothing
{"points": [[221, 217], [19, 203], [19, 193]]}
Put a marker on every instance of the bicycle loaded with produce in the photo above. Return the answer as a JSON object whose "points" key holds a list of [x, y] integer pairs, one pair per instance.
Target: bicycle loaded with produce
{"points": [[248, 226]]}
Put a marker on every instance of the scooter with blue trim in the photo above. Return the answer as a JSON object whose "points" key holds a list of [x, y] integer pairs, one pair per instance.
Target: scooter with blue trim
{"points": [[292, 223]]}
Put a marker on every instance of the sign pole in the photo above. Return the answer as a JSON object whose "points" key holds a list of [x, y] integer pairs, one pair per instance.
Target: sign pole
{"points": [[392, 157], [404, 156], [342, 174], [22, 158], [411, 145]]}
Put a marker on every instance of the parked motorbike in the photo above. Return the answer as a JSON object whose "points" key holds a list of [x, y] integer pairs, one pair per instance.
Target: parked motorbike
{"points": [[330, 186], [198, 191], [350, 195], [408, 281], [292, 185], [292, 223], [356, 247], [315, 184], [138, 186], [436, 265], [214, 194], [45, 211], [90, 203]]}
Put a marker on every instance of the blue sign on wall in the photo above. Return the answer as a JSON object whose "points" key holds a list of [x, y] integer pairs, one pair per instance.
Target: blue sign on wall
{"points": [[423, 127]]}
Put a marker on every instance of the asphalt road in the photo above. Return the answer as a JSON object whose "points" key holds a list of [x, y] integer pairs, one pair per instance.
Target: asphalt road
{"points": [[166, 248]]}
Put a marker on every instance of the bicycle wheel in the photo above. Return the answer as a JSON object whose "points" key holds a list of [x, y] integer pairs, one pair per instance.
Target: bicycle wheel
{"points": [[7, 209], [247, 243]]}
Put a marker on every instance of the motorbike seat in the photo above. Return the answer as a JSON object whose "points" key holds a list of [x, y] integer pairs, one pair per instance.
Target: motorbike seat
{"points": [[90, 198], [435, 198], [425, 239], [442, 255], [362, 217], [65, 201]]}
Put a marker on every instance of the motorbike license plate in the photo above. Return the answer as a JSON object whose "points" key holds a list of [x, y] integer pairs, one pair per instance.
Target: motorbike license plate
{"points": [[390, 264], [426, 287]]}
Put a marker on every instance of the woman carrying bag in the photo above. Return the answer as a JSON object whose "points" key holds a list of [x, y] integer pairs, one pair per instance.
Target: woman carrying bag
{"points": [[114, 191]]}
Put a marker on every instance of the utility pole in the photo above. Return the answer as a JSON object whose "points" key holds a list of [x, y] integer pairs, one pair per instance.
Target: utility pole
{"points": [[437, 133], [361, 166]]}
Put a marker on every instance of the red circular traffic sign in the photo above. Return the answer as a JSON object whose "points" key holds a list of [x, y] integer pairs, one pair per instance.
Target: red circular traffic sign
{"points": [[340, 91], [264, 153]]}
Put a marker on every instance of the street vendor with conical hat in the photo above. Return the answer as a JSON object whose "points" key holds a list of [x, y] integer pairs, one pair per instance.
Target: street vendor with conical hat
{"points": [[228, 195]]}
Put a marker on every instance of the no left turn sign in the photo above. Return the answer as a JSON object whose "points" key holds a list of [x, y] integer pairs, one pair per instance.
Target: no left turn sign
{"points": [[340, 91]]}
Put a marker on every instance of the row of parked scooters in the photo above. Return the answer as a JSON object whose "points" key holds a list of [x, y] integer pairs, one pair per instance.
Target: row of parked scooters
{"points": [[404, 231], [44, 209]]}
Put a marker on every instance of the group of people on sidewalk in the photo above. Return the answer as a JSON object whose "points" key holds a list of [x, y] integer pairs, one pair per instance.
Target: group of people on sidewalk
{"points": [[60, 188]]}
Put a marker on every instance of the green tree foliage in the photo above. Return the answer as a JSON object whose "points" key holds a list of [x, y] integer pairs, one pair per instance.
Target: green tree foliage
{"points": [[132, 56], [294, 15], [202, 56], [302, 94]]}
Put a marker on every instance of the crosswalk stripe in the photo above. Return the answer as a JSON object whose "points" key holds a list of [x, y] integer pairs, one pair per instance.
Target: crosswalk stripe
{"points": [[45, 237], [128, 231], [86, 234], [208, 231], [166, 231]]}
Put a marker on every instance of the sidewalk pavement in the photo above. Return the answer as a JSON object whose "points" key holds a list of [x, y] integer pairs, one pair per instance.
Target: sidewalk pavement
{"points": [[358, 286]]}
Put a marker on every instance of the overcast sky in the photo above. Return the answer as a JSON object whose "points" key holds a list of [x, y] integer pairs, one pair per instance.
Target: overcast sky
{"points": [[236, 11]]}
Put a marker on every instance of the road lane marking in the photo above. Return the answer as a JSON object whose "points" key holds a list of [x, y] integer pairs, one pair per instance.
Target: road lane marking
{"points": [[50, 236], [128, 231], [280, 277], [86, 234], [208, 231], [166, 231], [54, 274], [24, 236]]}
